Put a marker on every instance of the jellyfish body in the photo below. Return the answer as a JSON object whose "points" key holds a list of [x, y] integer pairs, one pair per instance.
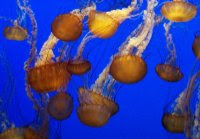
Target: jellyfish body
{"points": [[94, 109], [102, 24], [128, 68], [78, 67], [173, 123], [179, 11], [60, 106], [67, 27], [169, 73], [20, 133], [196, 46], [49, 77], [16, 33]]}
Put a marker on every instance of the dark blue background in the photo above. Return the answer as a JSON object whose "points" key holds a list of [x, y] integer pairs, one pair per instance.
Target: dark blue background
{"points": [[141, 104]]}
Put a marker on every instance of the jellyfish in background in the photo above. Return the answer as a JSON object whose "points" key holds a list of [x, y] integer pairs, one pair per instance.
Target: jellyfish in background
{"points": [[98, 100], [105, 24], [169, 70], [179, 11], [196, 45], [180, 119], [17, 32], [60, 106]]}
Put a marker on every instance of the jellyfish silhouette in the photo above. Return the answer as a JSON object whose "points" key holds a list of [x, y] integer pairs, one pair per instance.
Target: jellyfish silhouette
{"points": [[179, 11], [60, 106], [169, 70]]}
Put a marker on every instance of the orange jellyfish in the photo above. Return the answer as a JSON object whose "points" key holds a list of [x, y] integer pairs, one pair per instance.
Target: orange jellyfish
{"points": [[15, 32], [95, 108], [105, 24], [169, 71], [20, 133], [196, 45], [48, 75], [60, 106], [181, 119], [79, 65], [179, 11]]}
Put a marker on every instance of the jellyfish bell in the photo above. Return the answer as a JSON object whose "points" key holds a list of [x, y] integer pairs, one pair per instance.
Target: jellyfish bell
{"points": [[60, 106], [48, 77], [174, 123], [67, 27], [20, 133], [102, 24], [196, 45], [15, 32], [94, 109], [128, 68], [79, 67], [169, 73], [179, 11]]}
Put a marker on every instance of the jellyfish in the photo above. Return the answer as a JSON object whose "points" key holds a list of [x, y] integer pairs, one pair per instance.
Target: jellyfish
{"points": [[20, 133], [96, 108], [68, 27], [48, 75], [196, 45], [17, 32], [179, 11], [180, 119], [79, 65], [105, 24], [169, 70], [60, 106]]}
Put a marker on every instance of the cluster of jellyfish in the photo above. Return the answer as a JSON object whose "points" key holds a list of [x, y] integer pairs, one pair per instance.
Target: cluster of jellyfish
{"points": [[46, 73]]}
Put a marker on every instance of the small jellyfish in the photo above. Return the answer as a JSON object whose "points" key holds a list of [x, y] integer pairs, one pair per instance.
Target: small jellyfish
{"points": [[60, 106], [95, 109], [105, 24], [196, 45], [128, 68], [78, 67], [15, 32], [179, 11], [169, 70], [67, 27]]}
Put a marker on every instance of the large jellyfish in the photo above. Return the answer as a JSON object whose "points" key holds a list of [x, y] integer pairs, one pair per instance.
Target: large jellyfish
{"points": [[180, 119], [179, 11], [17, 31], [169, 70], [105, 24]]}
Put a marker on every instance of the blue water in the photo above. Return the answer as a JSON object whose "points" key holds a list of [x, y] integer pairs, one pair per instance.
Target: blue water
{"points": [[141, 105]]}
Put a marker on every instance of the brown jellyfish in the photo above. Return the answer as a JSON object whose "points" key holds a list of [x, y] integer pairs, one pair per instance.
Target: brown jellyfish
{"points": [[48, 77], [173, 123], [78, 67], [15, 32], [196, 45], [128, 68], [169, 71], [60, 106], [20, 133], [94, 109], [67, 27], [105, 24], [179, 11]]}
